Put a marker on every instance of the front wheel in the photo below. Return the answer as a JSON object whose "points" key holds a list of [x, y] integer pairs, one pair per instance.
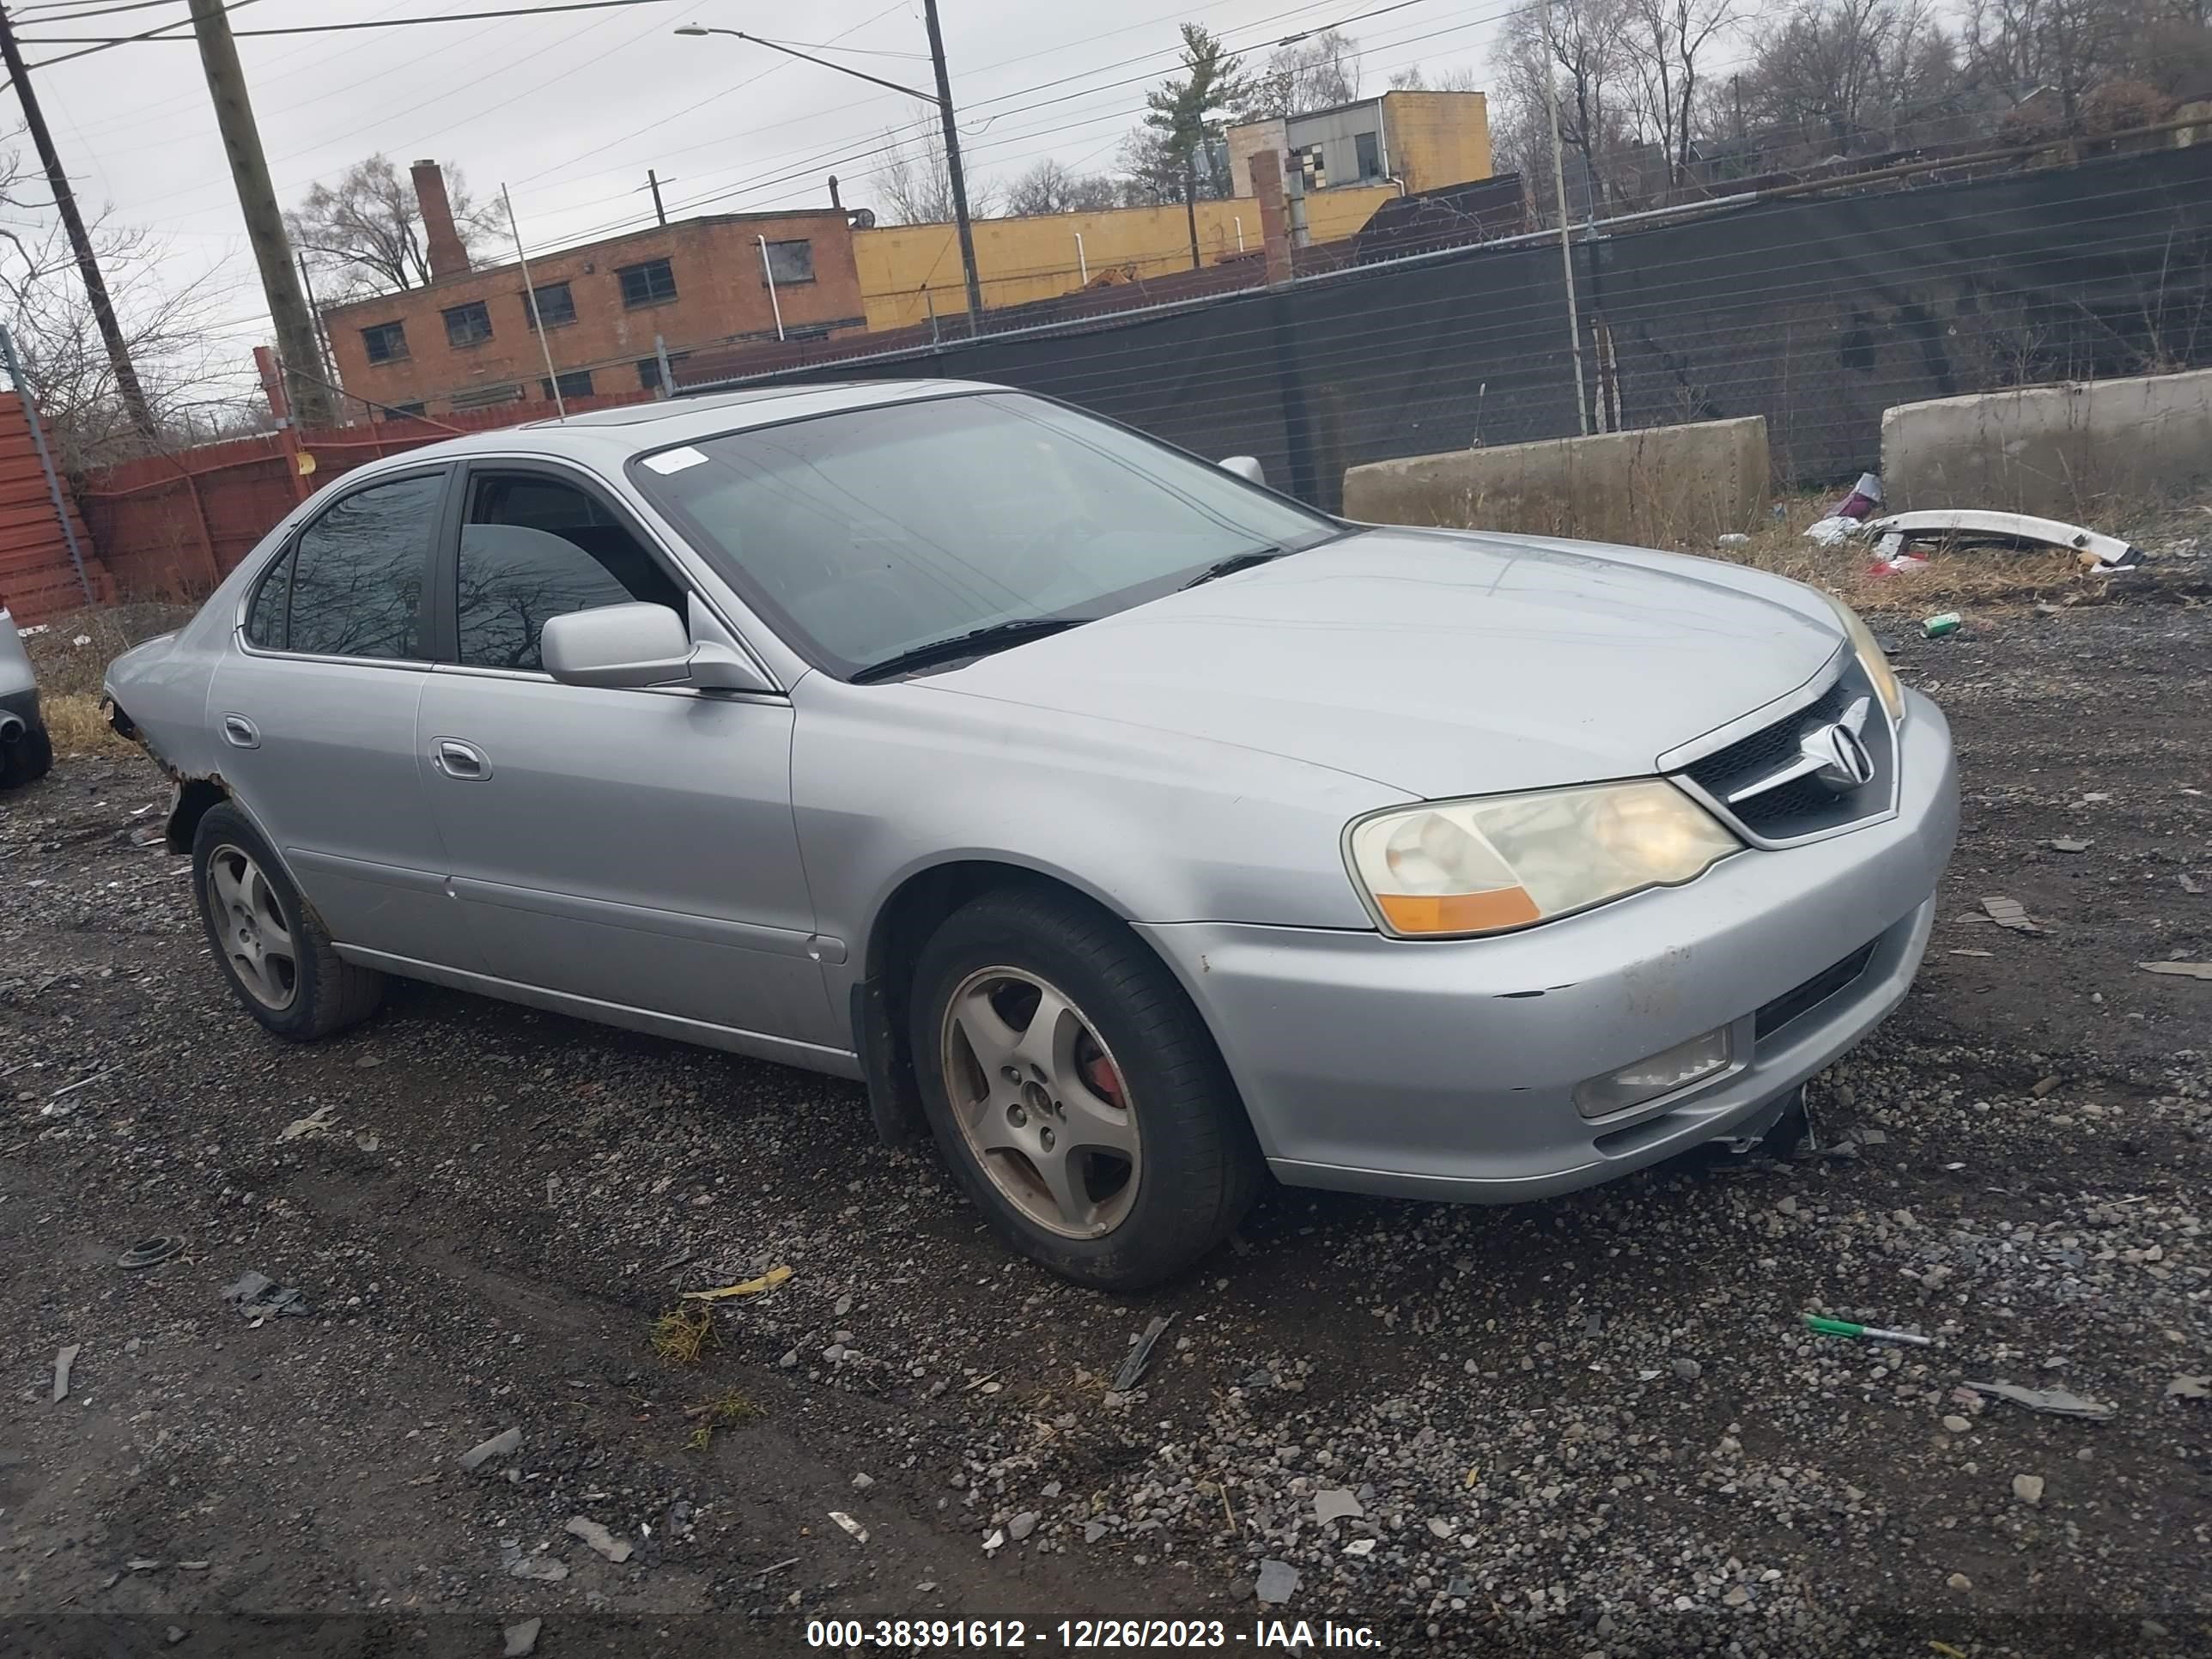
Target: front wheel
{"points": [[1076, 1092]]}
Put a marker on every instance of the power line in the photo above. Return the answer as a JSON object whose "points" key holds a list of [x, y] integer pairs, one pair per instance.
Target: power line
{"points": [[844, 156], [37, 15], [365, 23], [152, 115], [843, 153], [896, 5], [530, 90]]}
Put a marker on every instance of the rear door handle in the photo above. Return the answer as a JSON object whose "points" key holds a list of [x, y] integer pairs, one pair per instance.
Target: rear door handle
{"points": [[461, 761], [240, 733]]}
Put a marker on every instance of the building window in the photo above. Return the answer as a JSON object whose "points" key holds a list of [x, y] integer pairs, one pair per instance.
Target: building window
{"points": [[576, 383], [484, 397], [469, 324], [386, 343], [1370, 156], [412, 411], [647, 284], [648, 369], [1311, 168], [554, 303], [791, 261]]}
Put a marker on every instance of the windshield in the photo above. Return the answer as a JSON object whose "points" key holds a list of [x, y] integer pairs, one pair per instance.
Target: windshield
{"points": [[863, 535]]}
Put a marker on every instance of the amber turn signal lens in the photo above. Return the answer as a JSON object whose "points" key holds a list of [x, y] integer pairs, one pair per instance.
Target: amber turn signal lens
{"points": [[1459, 913]]}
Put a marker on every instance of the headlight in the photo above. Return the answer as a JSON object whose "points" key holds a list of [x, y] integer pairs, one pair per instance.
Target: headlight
{"points": [[1870, 659], [1485, 867]]}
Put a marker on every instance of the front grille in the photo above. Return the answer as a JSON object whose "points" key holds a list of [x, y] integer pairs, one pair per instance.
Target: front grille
{"points": [[1803, 806], [1804, 999]]}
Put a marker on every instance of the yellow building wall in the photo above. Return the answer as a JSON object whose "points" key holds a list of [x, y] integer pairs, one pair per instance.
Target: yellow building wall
{"points": [[1437, 138], [908, 270]]}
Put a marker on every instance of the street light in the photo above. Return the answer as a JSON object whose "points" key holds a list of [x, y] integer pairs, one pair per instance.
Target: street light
{"points": [[943, 99]]}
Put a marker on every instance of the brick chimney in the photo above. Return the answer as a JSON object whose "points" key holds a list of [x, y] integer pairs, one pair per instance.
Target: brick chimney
{"points": [[1274, 221], [448, 258]]}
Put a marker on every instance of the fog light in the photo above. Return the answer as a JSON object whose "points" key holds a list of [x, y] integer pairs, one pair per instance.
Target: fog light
{"points": [[1654, 1075]]}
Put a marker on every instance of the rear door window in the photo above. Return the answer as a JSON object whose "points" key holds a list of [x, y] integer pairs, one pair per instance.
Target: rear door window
{"points": [[352, 584], [534, 547]]}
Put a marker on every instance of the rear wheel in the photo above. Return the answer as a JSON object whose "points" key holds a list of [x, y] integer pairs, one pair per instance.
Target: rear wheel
{"points": [[274, 950], [1076, 1092]]}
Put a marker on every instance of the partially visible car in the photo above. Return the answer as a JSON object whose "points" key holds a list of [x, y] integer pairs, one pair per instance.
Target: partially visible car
{"points": [[26, 751]]}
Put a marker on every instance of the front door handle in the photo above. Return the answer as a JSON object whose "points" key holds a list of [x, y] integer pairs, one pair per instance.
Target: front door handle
{"points": [[461, 761], [240, 733]]}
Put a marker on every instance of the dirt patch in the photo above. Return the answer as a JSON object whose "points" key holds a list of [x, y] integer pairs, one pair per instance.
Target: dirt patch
{"points": [[1588, 1425]]}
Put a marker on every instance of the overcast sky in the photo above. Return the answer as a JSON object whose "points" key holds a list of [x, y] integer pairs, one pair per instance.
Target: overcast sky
{"points": [[570, 109]]}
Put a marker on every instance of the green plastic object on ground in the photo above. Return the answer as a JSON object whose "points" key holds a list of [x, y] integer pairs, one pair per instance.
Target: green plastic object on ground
{"points": [[1872, 1333], [1936, 626]]}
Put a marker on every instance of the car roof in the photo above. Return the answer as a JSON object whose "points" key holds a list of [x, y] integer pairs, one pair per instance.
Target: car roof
{"points": [[636, 428]]}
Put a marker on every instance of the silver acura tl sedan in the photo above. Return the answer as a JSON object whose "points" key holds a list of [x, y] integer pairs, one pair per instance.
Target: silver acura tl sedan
{"points": [[1138, 830]]}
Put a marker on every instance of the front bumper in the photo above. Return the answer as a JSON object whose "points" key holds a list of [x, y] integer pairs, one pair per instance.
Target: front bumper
{"points": [[1447, 1070]]}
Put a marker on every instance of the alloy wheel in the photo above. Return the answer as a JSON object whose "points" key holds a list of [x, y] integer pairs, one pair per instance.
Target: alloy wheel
{"points": [[1041, 1101], [250, 927]]}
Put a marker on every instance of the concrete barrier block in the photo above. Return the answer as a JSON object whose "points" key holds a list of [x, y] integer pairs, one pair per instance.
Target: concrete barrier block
{"points": [[2055, 451], [1656, 487]]}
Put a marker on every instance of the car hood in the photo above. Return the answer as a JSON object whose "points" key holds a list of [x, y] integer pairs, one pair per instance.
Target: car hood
{"points": [[1436, 663]]}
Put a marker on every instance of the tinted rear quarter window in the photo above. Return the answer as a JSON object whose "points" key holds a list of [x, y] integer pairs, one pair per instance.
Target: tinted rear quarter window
{"points": [[266, 618], [357, 571]]}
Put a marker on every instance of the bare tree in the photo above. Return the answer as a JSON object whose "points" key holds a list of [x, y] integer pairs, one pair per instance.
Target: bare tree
{"points": [[1586, 57], [170, 331], [1849, 74], [917, 184], [1456, 77], [2022, 46], [1313, 73], [2174, 53], [1151, 177], [365, 234], [1048, 187], [1666, 42]]}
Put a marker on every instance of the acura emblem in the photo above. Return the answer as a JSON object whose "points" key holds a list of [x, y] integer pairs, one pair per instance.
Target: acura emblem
{"points": [[1840, 761]]}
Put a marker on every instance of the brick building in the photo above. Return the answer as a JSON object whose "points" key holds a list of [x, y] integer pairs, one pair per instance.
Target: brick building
{"points": [[609, 307]]}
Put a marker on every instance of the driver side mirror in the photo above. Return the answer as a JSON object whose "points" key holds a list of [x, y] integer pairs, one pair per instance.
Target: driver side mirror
{"points": [[637, 646], [1245, 467]]}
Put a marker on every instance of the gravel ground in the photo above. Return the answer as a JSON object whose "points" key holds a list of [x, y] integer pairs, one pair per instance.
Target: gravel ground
{"points": [[1589, 1427]]}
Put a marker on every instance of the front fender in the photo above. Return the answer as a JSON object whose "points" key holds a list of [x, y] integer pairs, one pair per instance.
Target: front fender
{"points": [[888, 781]]}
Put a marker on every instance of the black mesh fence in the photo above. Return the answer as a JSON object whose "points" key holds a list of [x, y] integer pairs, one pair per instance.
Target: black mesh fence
{"points": [[1817, 311]]}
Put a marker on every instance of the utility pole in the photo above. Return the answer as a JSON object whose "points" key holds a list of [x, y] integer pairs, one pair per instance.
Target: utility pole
{"points": [[1566, 236], [256, 199], [1190, 203], [328, 358], [652, 183], [953, 170], [552, 376], [95, 286], [943, 99]]}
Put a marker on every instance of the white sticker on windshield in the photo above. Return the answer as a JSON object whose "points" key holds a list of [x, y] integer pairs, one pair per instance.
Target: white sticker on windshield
{"points": [[675, 460]]}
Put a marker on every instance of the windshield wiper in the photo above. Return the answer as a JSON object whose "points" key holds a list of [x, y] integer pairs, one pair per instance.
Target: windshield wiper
{"points": [[1235, 563], [976, 642]]}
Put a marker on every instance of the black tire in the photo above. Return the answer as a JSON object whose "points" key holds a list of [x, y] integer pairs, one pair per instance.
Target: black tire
{"points": [[27, 759], [327, 992], [1199, 1168]]}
